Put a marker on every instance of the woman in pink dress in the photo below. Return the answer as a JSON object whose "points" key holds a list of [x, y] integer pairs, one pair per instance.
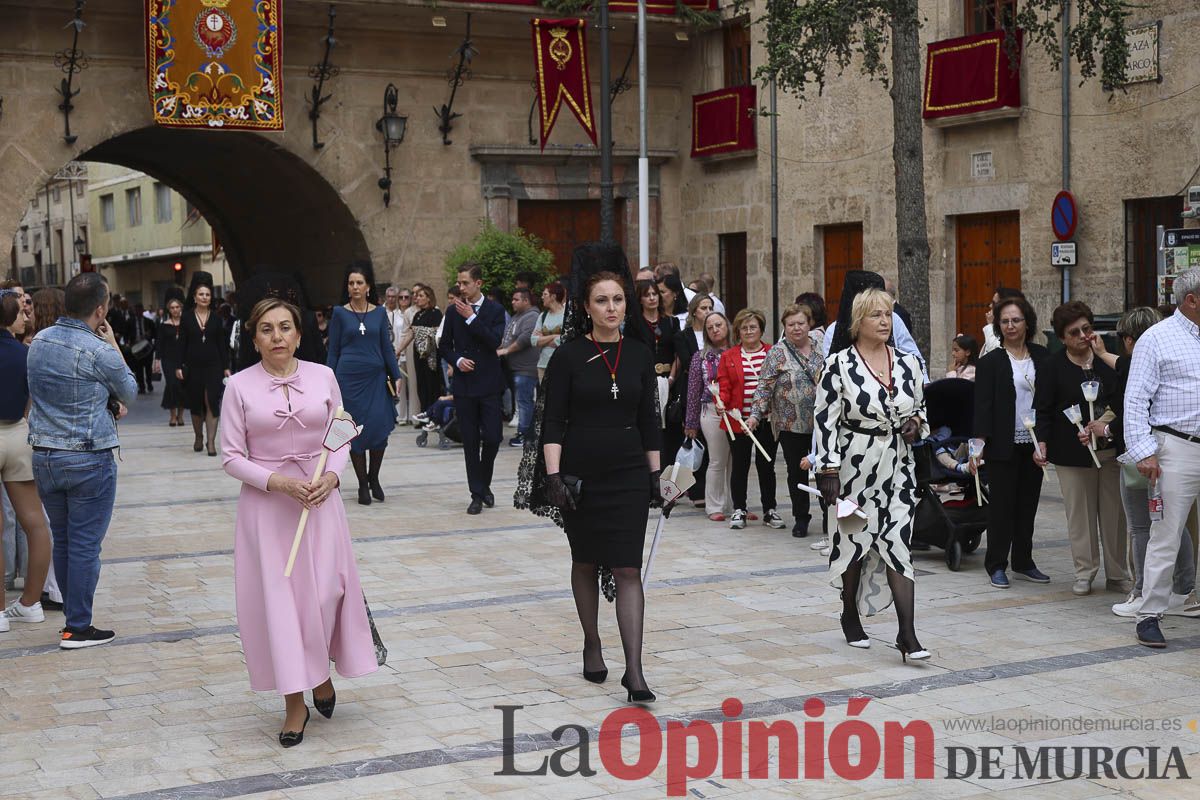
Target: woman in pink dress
{"points": [[276, 415]]}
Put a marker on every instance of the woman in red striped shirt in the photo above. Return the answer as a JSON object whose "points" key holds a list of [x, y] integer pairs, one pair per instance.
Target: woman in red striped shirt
{"points": [[737, 375]]}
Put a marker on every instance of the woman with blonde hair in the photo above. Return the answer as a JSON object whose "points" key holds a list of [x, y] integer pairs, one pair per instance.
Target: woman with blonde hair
{"points": [[422, 335], [870, 408], [702, 415]]}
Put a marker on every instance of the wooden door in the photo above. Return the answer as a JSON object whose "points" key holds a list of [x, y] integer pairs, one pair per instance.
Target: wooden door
{"points": [[563, 224], [989, 255], [1142, 217], [843, 252], [732, 262]]}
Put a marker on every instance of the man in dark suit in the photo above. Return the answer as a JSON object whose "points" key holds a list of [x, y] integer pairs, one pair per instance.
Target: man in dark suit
{"points": [[471, 335], [140, 333]]}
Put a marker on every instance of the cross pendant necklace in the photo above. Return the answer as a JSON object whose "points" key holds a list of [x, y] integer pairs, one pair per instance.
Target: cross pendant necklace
{"points": [[362, 318], [612, 368], [202, 325]]}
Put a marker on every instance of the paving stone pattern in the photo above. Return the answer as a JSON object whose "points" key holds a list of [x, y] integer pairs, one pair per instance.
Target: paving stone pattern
{"points": [[477, 613]]}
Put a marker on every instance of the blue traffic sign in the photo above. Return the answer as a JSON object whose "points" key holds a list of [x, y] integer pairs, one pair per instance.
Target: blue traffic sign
{"points": [[1064, 215]]}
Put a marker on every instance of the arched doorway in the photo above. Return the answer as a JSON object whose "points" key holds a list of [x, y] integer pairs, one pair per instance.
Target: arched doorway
{"points": [[268, 207]]}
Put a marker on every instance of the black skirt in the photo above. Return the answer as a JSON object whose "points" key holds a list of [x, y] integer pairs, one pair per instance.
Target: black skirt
{"points": [[609, 525]]}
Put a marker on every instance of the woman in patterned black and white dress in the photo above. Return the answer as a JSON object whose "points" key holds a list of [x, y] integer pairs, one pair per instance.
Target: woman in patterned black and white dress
{"points": [[870, 408]]}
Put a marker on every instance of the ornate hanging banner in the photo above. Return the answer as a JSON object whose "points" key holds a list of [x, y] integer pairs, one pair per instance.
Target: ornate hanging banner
{"points": [[215, 63], [561, 73]]}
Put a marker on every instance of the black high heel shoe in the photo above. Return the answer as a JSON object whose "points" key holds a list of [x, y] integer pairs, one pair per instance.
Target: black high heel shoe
{"points": [[364, 495], [915, 651], [637, 695], [325, 707], [293, 738], [376, 490], [595, 675]]}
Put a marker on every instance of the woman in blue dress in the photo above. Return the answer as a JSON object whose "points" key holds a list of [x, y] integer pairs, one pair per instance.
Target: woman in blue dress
{"points": [[363, 358]]}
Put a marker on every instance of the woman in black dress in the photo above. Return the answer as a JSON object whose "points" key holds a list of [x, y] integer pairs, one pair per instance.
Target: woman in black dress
{"points": [[170, 354], [612, 443], [204, 355], [656, 327], [422, 334]]}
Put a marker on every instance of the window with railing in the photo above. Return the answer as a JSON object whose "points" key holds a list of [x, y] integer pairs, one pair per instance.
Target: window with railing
{"points": [[981, 16]]}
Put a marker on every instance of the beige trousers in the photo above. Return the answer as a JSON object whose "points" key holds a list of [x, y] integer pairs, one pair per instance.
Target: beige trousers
{"points": [[716, 480], [1095, 516]]}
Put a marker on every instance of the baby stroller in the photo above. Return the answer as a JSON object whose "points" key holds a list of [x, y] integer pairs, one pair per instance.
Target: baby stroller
{"points": [[948, 515], [447, 433]]}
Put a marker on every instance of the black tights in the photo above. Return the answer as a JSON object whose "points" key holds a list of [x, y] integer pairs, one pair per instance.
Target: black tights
{"points": [[631, 612], [903, 594]]}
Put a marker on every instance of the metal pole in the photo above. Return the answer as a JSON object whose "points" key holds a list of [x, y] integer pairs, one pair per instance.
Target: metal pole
{"points": [[1066, 127], [71, 195], [774, 215], [643, 160], [606, 176]]}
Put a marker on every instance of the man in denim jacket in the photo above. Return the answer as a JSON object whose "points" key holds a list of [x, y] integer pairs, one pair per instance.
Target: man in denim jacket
{"points": [[74, 367]]}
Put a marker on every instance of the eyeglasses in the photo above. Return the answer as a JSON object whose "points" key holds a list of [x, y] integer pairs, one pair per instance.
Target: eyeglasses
{"points": [[404, 296], [1011, 323], [1085, 330]]}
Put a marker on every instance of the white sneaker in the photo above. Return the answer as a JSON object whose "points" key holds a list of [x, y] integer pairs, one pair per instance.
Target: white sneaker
{"points": [[1081, 587], [1130, 607], [3, 624], [738, 521], [825, 551], [19, 613], [820, 544], [1183, 605]]}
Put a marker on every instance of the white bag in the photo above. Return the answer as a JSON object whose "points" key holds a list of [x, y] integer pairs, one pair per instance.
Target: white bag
{"points": [[690, 455]]}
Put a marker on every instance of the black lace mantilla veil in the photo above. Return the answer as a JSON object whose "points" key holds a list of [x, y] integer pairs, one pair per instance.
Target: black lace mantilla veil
{"points": [[587, 260], [857, 281]]}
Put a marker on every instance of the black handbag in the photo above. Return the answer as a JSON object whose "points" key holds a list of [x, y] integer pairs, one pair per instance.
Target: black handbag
{"points": [[574, 486], [674, 412]]}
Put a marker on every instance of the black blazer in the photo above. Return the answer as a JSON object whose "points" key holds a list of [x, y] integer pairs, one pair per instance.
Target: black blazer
{"points": [[478, 342], [996, 400], [685, 350], [664, 349], [1058, 386]]}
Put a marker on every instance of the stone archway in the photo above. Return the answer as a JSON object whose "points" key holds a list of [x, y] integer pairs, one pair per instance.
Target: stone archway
{"points": [[267, 205]]}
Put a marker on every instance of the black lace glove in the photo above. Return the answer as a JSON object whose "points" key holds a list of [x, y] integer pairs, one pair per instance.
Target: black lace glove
{"points": [[909, 430], [557, 494], [656, 498], [829, 484]]}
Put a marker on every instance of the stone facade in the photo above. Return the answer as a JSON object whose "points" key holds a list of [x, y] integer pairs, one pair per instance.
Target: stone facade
{"points": [[276, 200]]}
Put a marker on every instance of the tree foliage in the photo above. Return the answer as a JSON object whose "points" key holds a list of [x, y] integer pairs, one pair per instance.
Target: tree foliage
{"points": [[807, 41], [502, 255]]}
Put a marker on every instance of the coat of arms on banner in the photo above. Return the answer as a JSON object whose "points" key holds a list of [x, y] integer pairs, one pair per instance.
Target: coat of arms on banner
{"points": [[215, 63]]}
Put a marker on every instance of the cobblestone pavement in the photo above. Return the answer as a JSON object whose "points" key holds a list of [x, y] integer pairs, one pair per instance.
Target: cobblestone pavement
{"points": [[477, 613]]}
